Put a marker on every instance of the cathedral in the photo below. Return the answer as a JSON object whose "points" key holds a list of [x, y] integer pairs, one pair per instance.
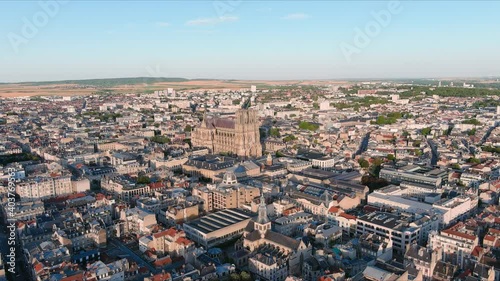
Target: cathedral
{"points": [[239, 136]]}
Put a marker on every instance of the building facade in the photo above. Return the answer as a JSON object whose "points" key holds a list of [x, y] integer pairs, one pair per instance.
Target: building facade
{"points": [[239, 136]]}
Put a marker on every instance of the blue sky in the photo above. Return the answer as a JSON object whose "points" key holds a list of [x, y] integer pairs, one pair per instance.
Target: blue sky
{"points": [[230, 39]]}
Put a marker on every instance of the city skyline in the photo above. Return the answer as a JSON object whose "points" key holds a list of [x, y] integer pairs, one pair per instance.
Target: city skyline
{"points": [[248, 40]]}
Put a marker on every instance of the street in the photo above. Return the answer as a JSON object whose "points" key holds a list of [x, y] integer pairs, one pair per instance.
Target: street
{"points": [[139, 260]]}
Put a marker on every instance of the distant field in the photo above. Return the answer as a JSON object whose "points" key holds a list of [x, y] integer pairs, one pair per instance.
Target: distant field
{"points": [[136, 85]]}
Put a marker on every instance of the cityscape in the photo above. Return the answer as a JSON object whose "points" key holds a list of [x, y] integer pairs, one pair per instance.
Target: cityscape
{"points": [[233, 172]]}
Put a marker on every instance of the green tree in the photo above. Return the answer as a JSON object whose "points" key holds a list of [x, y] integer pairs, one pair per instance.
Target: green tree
{"points": [[160, 139], [142, 179], [426, 131], [373, 183], [274, 132], [471, 121], [308, 126], [188, 128], [455, 166], [315, 105], [491, 149], [473, 160], [245, 276], [376, 167], [235, 277], [289, 138], [363, 163], [391, 157]]}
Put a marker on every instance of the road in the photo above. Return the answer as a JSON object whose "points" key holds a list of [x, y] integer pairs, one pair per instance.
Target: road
{"points": [[364, 144], [487, 135], [140, 261], [435, 153], [470, 148], [22, 272]]}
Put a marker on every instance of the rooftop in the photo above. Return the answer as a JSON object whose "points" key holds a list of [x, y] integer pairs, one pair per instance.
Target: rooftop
{"points": [[219, 220]]}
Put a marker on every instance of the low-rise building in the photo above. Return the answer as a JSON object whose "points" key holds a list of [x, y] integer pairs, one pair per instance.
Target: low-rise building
{"points": [[217, 228]]}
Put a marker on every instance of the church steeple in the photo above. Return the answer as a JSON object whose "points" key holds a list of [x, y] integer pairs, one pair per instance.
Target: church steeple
{"points": [[263, 224], [262, 219], [269, 160]]}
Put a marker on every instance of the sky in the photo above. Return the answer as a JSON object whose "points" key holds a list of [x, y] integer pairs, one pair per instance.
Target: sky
{"points": [[239, 39]]}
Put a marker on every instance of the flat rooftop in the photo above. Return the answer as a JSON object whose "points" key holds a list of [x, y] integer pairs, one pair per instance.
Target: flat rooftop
{"points": [[388, 220], [219, 220]]}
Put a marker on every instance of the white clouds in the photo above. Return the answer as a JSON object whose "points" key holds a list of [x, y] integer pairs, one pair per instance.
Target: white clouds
{"points": [[298, 16], [162, 24], [211, 21]]}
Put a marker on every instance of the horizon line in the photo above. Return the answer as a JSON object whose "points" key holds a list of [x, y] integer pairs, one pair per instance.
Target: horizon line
{"points": [[233, 79]]}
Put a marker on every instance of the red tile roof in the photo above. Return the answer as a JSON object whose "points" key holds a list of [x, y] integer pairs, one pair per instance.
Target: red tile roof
{"points": [[162, 262], [333, 209], [183, 241], [161, 277], [76, 277], [459, 234], [170, 232], [347, 216]]}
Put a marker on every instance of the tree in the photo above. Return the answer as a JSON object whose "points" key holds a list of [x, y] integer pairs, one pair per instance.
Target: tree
{"points": [[373, 183], [471, 132], [315, 105], [473, 160], [142, 179], [95, 185], [426, 131], [455, 166], [363, 163], [160, 139], [491, 149], [188, 128], [235, 277], [391, 157], [245, 276], [274, 132], [289, 138], [308, 126], [471, 121], [376, 167]]}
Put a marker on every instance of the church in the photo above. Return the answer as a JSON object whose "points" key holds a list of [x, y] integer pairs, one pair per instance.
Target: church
{"points": [[239, 136], [274, 255]]}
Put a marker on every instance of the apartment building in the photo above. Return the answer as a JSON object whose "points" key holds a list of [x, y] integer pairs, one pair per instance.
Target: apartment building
{"points": [[229, 194], [456, 242], [44, 187], [267, 266], [124, 187], [172, 242], [287, 225], [402, 229], [138, 221]]}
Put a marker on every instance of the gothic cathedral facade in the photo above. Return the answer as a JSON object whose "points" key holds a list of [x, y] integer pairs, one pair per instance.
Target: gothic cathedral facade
{"points": [[239, 136]]}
